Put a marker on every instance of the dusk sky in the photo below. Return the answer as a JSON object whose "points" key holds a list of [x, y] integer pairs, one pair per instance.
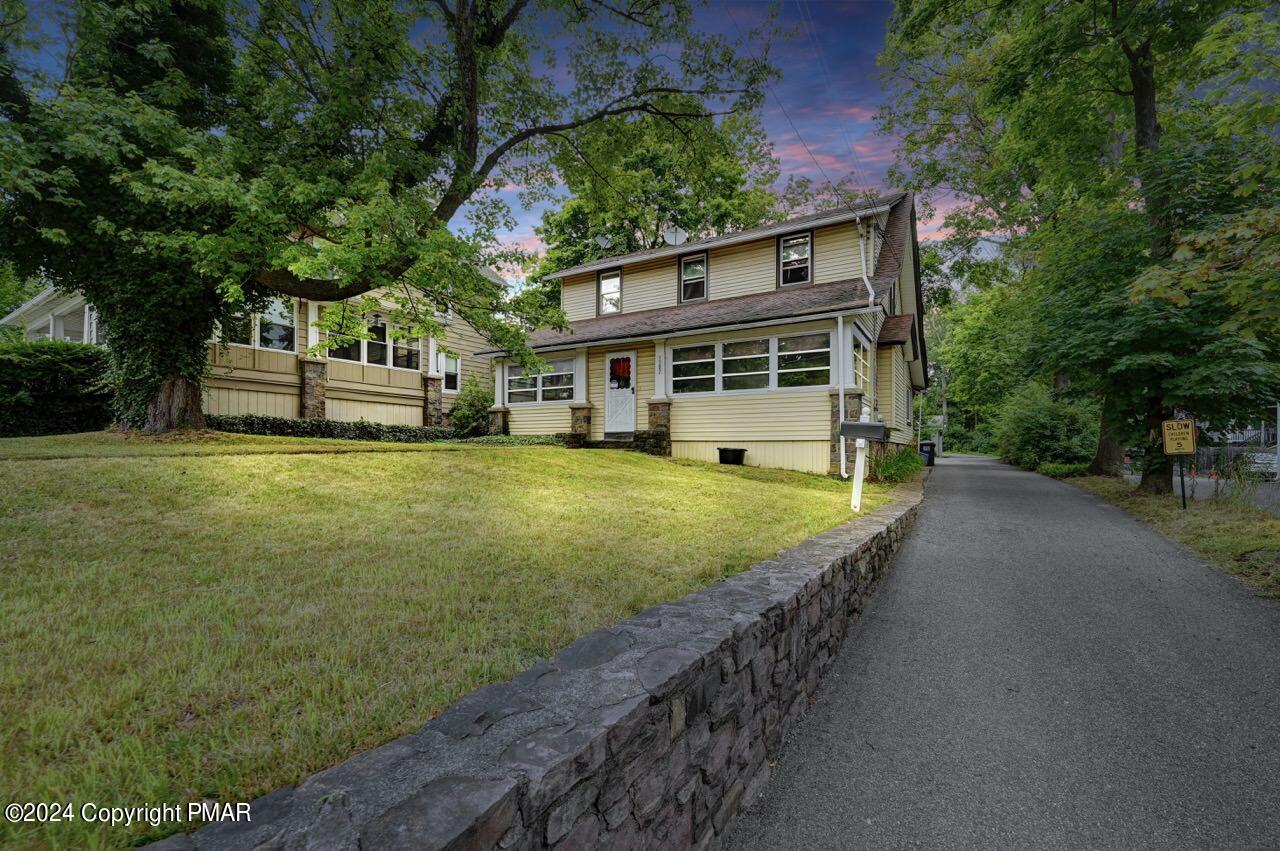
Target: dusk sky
{"points": [[830, 87]]}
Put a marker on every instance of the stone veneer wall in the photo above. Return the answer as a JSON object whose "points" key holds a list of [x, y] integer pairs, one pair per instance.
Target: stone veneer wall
{"points": [[652, 732]]}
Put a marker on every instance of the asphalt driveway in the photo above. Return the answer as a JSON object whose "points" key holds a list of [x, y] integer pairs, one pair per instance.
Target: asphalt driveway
{"points": [[1038, 670]]}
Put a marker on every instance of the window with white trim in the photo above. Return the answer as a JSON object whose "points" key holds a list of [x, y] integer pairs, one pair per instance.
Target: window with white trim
{"points": [[273, 328], [861, 365], [609, 285], [693, 277], [767, 363], [385, 346], [804, 360], [554, 385], [745, 365], [451, 368], [795, 259], [693, 369]]}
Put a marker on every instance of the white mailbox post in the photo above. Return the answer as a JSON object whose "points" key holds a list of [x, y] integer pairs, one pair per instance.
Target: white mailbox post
{"points": [[862, 431]]}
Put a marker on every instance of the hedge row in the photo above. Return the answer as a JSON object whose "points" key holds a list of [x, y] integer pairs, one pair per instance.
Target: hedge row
{"points": [[359, 430], [53, 387]]}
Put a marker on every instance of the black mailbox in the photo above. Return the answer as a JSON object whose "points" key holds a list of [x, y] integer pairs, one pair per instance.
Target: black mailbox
{"points": [[868, 431]]}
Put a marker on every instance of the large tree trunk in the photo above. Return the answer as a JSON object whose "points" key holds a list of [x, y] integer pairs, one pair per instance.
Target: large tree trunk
{"points": [[1109, 457], [177, 404], [1157, 468]]}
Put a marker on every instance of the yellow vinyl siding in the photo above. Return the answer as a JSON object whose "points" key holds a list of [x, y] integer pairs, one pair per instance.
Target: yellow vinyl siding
{"points": [[539, 419], [893, 393], [643, 381], [646, 286], [350, 410], [742, 269], [225, 400], [807, 456], [835, 253], [783, 415], [578, 296], [465, 340]]}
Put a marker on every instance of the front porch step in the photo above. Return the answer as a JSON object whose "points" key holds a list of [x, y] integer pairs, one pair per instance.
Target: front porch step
{"points": [[609, 444]]}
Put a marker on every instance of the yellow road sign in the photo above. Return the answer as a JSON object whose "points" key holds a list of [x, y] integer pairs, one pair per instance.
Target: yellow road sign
{"points": [[1179, 437]]}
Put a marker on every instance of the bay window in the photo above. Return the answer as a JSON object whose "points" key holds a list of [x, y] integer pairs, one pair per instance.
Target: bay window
{"points": [[767, 363], [554, 385], [795, 259]]}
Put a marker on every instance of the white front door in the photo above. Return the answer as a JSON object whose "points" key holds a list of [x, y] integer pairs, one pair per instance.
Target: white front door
{"points": [[619, 392]]}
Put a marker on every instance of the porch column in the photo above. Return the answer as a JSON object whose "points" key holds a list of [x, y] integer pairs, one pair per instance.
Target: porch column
{"points": [[499, 414], [657, 440], [52, 326], [579, 409], [432, 387], [315, 375]]}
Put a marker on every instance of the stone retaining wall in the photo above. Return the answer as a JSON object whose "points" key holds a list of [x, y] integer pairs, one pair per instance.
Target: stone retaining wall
{"points": [[652, 732]]}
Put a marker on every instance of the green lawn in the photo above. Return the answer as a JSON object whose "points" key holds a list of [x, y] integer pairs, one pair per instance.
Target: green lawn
{"points": [[216, 618], [1239, 538]]}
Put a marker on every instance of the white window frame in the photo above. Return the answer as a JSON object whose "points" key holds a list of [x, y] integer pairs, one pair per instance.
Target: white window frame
{"points": [[706, 277], [600, 276], [537, 385], [832, 365], [782, 240], [442, 362], [254, 337], [391, 355]]}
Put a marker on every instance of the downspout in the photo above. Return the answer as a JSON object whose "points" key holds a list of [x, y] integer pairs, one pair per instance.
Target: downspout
{"points": [[862, 253], [844, 470]]}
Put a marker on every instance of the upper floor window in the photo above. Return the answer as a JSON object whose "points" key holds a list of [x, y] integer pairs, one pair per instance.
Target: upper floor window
{"points": [[795, 259], [555, 385], [610, 292], [273, 328], [693, 278]]}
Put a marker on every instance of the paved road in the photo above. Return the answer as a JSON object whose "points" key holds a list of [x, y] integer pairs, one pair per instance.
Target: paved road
{"points": [[1038, 670]]}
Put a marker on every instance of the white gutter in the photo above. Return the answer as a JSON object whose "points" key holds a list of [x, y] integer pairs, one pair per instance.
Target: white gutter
{"points": [[866, 279], [844, 470], [835, 218], [692, 332]]}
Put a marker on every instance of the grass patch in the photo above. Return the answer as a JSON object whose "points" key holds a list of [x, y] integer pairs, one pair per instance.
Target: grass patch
{"points": [[176, 626], [1240, 539]]}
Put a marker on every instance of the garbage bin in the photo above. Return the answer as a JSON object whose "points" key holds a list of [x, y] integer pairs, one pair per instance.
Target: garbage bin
{"points": [[729, 455], [927, 449]]}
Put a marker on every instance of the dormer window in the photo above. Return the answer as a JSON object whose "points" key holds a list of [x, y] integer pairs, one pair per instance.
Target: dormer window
{"points": [[693, 277], [610, 292], [795, 259]]}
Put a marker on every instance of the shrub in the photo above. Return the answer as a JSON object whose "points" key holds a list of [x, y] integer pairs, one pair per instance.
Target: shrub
{"points": [[53, 387], [1035, 427], [359, 430], [514, 440], [470, 414], [1057, 470], [896, 467]]}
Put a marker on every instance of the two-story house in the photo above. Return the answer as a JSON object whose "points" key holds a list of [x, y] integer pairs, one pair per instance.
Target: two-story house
{"points": [[760, 340]]}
